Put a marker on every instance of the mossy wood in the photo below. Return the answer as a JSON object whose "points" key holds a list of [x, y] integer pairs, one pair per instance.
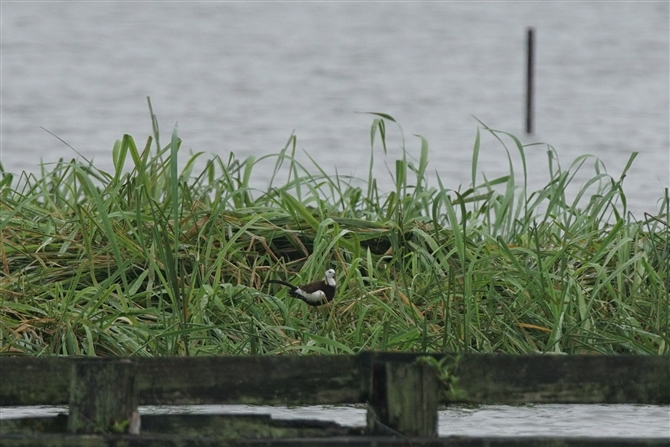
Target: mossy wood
{"points": [[402, 391], [224, 427], [103, 395], [171, 440], [250, 380], [403, 399], [586, 379], [476, 378]]}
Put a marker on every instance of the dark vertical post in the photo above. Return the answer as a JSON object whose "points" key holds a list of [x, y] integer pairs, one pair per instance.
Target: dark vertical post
{"points": [[403, 399], [103, 396], [530, 50]]}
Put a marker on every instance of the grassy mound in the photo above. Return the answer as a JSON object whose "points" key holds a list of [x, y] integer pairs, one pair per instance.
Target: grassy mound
{"points": [[158, 261]]}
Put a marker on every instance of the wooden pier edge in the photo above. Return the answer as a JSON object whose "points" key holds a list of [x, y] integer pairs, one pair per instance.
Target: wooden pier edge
{"points": [[315, 380], [343, 441], [402, 390]]}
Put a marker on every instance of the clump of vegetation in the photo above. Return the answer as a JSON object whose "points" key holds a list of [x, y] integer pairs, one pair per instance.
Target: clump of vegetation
{"points": [[160, 261]]}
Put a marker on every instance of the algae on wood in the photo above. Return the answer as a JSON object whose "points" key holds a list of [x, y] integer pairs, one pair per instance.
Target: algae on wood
{"points": [[103, 396]]}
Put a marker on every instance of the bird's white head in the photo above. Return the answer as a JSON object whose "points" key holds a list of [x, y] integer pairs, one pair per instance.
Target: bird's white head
{"points": [[330, 277]]}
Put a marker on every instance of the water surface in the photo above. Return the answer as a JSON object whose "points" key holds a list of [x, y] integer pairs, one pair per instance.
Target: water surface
{"points": [[643, 421], [244, 76]]}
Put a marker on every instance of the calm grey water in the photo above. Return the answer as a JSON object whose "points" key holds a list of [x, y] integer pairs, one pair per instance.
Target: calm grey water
{"points": [[242, 77], [491, 420]]}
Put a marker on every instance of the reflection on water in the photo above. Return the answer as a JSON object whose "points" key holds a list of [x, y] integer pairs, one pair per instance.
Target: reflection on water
{"points": [[490, 420]]}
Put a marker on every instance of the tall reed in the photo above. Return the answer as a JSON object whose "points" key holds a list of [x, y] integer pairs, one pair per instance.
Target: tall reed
{"points": [[154, 260]]}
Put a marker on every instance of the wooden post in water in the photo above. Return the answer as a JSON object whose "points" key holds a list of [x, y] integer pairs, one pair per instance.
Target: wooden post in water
{"points": [[403, 399], [530, 50], [103, 396]]}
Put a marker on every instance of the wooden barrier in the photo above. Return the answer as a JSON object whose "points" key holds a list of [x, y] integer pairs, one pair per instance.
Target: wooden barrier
{"points": [[402, 392]]}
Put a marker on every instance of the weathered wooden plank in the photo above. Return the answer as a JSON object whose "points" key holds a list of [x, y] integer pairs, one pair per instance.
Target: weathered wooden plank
{"points": [[340, 441], [103, 396], [221, 426], [27, 426], [404, 399], [250, 380], [474, 378], [198, 380], [34, 381], [369, 358], [518, 379], [242, 426]]}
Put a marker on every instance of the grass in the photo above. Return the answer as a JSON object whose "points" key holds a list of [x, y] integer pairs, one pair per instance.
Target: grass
{"points": [[152, 260]]}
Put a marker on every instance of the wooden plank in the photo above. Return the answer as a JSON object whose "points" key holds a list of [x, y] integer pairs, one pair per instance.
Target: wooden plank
{"points": [[197, 380], [473, 378], [343, 441], [241, 426], [404, 399], [34, 381], [263, 380], [518, 379], [103, 396], [31, 425], [368, 360], [220, 426]]}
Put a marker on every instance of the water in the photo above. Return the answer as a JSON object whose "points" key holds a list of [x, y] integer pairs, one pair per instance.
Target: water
{"points": [[242, 77], [642, 421]]}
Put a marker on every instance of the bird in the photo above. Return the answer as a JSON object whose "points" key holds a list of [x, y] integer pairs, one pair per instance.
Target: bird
{"points": [[315, 293]]}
